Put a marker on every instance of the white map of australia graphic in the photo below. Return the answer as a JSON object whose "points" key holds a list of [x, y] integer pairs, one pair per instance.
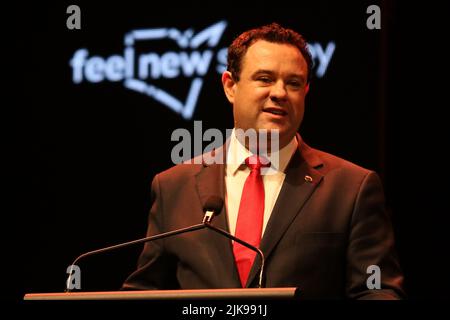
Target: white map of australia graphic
{"points": [[171, 63]]}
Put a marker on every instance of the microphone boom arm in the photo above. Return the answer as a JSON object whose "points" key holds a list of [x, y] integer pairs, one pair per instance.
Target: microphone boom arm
{"points": [[138, 241], [205, 224]]}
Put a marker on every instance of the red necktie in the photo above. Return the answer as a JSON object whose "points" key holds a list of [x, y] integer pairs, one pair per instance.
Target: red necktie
{"points": [[250, 218]]}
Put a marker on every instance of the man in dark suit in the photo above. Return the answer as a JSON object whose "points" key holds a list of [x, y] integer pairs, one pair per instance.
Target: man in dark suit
{"points": [[322, 225]]}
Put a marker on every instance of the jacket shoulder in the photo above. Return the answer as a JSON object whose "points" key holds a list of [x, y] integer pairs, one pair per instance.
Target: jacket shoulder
{"points": [[180, 172], [328, 163]]}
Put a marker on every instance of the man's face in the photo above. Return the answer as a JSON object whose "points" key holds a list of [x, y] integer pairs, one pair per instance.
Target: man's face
{"points": [[271, 91]]}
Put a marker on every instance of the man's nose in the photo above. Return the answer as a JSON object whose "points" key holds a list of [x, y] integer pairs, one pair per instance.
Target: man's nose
{"points": [[278, 91]]}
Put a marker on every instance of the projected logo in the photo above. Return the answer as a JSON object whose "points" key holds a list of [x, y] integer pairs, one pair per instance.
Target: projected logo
{"points": [[152, 72]]}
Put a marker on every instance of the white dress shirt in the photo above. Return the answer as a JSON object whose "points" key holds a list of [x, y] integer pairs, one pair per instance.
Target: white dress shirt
{"points": [[236, 173]]}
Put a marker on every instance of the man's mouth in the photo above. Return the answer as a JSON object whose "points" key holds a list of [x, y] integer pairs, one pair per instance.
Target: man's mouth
{"points": [[275, 111]]}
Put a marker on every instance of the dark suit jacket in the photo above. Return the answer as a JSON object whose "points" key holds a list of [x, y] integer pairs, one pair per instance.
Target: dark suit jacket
{"points": [[321, 237]]}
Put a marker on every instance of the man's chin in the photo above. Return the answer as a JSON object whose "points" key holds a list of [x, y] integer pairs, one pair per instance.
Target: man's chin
{"points": [[273, 129]]}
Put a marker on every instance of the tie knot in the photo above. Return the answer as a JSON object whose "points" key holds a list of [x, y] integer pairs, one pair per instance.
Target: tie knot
{"points": [[256, 162]]}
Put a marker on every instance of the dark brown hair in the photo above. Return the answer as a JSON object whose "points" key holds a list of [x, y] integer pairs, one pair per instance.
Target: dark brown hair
{"points": [[271, 33]]}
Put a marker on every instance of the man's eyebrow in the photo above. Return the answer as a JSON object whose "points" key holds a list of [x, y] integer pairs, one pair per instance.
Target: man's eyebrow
{"points": [[263, 71], [269, 72]]}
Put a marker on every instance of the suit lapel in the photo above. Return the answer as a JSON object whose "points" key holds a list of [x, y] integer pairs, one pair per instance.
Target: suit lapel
{"points": [[211, 181], [296, 190]]}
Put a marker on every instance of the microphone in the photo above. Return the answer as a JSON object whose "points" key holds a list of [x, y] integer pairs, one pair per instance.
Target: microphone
{"points": [[213, 205]]}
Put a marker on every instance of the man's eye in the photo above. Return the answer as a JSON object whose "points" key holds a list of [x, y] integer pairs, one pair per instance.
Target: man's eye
{"points": [[264, 79], [296, 84]]}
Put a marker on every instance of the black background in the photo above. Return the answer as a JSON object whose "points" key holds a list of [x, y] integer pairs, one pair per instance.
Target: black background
{"points": [[80, 158]]}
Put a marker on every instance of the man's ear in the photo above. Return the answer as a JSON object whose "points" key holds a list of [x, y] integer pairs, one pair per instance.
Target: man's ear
{"points": [[229, 86], [307, 88]]}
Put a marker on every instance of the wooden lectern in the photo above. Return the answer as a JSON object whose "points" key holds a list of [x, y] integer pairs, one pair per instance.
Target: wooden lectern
{"points": [[244, 293]]}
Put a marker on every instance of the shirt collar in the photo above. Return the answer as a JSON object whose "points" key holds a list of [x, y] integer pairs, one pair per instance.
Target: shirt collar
{"points": [[237, 153]]}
